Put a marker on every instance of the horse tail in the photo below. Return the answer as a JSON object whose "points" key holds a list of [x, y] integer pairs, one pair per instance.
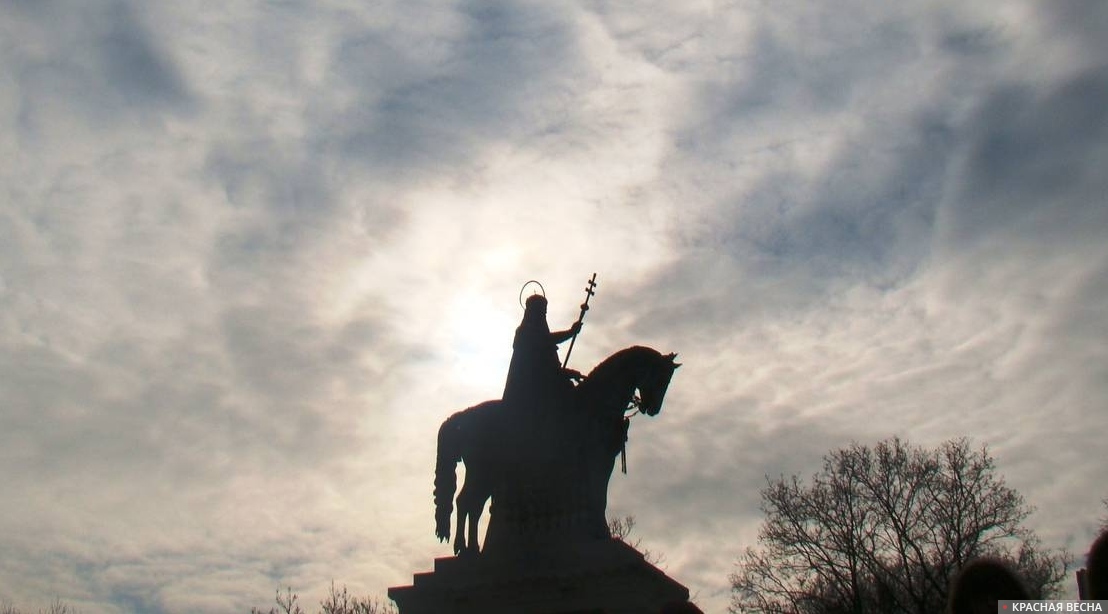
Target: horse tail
{"points": [[446, 481]]}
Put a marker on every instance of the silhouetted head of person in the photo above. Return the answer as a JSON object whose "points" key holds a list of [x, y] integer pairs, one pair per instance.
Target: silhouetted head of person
{"points": [[534, 309], [1096, 568], [980, 584], [680, 607]]}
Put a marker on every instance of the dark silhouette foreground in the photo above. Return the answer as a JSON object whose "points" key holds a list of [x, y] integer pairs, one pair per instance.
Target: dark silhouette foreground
{"points": [[546, 466], [544, 454], [680, 607], [1096, 568], [981, 583]]}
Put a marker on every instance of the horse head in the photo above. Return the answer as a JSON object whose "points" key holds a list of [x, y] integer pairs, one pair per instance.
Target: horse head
{"points": [[652, 388]]}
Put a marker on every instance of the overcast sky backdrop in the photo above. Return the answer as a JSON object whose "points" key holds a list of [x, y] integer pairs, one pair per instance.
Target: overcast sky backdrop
{"points": [[252, 254]]}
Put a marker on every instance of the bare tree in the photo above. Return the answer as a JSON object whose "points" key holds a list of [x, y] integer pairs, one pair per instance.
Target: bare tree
{"points": [[343, 603], [287, 604], [621, 529], [56, 607], [337, 602], [883, 530]]}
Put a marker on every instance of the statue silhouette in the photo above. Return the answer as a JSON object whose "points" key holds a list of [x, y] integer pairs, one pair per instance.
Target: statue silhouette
{"points": [[590, 435], [544, 453], [680, 607], [535, 376]]}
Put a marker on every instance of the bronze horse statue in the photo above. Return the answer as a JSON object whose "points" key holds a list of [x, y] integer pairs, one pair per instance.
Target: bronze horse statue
{"points": [[594, 433]]}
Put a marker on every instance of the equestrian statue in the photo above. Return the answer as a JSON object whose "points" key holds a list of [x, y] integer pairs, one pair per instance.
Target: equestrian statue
{"points": [[544, 453]]}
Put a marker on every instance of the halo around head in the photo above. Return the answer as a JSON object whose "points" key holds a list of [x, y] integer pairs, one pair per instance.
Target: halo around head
{"points": [[541, 291]]}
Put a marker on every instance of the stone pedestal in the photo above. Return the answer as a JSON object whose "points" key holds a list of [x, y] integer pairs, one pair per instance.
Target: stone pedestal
{"points": [[597, 577]]}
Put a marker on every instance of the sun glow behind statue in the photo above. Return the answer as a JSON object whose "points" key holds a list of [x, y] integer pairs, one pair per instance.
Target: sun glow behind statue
{"points": [[480, 329]]}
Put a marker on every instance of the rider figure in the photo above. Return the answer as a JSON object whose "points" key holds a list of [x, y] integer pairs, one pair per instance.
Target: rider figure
{"points": [[535, 376]]}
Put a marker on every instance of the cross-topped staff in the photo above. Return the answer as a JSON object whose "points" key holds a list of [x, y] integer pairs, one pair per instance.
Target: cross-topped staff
{"points": [[589, 291]]}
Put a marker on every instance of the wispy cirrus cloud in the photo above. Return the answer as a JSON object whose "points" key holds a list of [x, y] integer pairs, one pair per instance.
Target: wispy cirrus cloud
{"points": [[250, 258]]}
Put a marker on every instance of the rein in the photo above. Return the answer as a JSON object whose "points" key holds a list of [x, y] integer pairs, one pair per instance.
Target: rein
{"points": [[634, 407]]}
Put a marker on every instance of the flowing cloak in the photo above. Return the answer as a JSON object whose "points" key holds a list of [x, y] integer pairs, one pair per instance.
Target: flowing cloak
{"points": [[535, 374]]}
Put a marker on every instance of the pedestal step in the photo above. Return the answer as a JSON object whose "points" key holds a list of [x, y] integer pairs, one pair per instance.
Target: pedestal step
{"points": [[602, 577]]}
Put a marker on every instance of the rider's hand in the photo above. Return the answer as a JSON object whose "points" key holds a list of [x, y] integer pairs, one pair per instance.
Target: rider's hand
{"points": [[576, 328]]}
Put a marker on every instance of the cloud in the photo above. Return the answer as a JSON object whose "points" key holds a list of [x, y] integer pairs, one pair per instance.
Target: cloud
{"points": [[251, 258], [1030, 168], [885, 266], [488, 73], [93, 67]]}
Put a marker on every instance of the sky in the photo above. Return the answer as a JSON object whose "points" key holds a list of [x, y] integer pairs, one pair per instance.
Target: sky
{"points": [[252, 255]]}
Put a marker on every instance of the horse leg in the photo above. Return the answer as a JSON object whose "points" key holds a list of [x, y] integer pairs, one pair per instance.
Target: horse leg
{"points": [[464, 513], [460, 534], [475, 522], [470, 499]]}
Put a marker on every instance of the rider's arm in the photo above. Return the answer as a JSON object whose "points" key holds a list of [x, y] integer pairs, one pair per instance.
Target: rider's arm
{"points": [[562, 335]]}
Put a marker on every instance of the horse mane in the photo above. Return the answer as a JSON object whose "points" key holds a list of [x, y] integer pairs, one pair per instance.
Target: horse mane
{"points": [[618, 359]]}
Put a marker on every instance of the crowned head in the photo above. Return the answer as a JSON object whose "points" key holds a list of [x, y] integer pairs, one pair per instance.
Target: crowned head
{"points": [[535, 306]]}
